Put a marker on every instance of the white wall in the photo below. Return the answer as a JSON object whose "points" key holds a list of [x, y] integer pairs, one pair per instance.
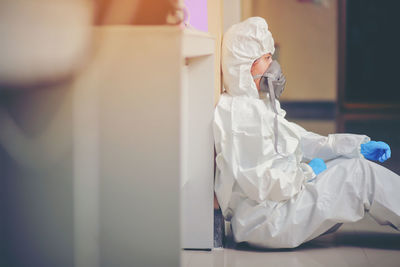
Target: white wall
{"points": [[215, 14], [232, 13]]}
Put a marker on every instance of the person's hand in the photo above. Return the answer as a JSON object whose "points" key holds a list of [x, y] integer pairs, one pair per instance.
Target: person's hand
{"points": [[318, 165], [376, 151]]}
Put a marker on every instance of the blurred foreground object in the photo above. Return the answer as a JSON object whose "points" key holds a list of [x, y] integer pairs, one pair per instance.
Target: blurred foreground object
{"points": [[139, 12], [42, 41]]}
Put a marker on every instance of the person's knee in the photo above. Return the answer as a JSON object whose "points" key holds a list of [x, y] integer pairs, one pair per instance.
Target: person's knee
{"points": [[350, 171], [355, 163]]}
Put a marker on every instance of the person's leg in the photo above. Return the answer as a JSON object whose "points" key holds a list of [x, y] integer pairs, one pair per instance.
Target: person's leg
{"points": [[385, 199], [342, 193], [335, 161]]}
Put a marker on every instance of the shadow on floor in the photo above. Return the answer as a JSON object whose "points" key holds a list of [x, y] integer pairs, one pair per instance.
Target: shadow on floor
{"points": [[363, 239]]}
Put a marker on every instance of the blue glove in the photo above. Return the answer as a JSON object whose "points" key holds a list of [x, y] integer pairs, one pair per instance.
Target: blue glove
{"points": [[376, 151], [318, 165]]}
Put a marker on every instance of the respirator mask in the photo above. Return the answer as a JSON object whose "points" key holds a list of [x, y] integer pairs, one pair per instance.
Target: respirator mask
{"points": [[273, 82]]}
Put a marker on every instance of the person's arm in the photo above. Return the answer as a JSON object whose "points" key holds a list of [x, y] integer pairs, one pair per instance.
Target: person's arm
{"points": [[280, 182], [277, 178], [332, 146], [260, 172]]}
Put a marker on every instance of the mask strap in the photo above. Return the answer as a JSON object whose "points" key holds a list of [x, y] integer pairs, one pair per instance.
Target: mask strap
{"points": [[273, 104], [272, 95]]}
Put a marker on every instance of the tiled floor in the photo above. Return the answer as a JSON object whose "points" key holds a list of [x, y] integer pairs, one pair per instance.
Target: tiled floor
{"points": [[364, 243]]}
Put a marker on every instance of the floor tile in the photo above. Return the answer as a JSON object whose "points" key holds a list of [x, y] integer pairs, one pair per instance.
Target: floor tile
{"points": [[382, 257], [364, 243]]}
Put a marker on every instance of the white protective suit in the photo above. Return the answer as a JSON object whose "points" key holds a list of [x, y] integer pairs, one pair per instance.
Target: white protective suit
{"points": [[275, 200]]}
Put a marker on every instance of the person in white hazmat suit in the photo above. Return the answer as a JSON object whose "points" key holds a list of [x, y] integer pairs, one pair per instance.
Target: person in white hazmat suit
{"points": [[265, 183]]}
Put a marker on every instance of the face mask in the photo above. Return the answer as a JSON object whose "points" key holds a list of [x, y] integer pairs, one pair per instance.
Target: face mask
{"points": [[272, 81]]}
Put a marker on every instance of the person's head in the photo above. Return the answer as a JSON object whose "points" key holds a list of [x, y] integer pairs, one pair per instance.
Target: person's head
{"points": [[242, 45], [259, 66]]}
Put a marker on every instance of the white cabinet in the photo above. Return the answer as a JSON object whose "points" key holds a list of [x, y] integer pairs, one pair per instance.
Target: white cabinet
{"points": [[197, 142], [154, 89]]}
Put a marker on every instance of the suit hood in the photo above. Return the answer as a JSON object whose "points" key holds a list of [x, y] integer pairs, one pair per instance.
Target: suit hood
{"points": [[242, 44]]}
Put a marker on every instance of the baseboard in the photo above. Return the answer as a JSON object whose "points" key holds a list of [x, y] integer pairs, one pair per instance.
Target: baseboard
{"points": [[316, 110], [219, 229]]}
